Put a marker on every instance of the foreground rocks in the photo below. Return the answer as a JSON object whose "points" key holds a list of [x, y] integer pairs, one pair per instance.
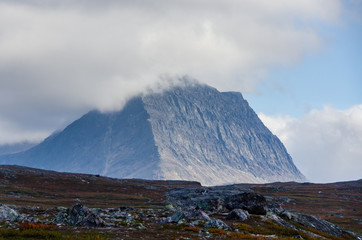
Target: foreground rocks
{"points": [[204, 212], [219, 200], [79, 215], [239, 206]]}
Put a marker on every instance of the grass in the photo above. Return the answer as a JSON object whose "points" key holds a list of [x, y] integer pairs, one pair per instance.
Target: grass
{"points": [[47, 234]]}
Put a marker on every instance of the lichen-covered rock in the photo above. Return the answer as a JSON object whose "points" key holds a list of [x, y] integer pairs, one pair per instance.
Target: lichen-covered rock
{"points": [[278, 210], [206, 199], [317, 223], [169, 207], [8, 214], [252, 202], [238, 214], [280, 221], [189, 215], [211, 204], [79, 215], [216, 223]]}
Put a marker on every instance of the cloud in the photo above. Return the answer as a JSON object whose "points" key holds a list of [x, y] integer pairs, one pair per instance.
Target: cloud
{"points": [[324, 144], [61, 58]]}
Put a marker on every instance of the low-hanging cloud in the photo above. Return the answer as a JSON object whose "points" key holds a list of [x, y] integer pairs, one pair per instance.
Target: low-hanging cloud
{"points": [[325, 144], [61, 58]]}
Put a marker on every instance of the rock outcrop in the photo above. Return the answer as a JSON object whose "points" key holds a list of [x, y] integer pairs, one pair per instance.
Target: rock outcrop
{"points": [[254, 203], [7, 213], [79, 215], [238, 214]]}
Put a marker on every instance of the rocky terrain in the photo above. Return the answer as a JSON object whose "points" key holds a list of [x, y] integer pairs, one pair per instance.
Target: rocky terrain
{"points": [[38, 204], [193, 133]]}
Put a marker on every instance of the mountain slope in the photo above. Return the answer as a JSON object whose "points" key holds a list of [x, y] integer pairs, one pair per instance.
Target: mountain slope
{"points": [[190, 133]]}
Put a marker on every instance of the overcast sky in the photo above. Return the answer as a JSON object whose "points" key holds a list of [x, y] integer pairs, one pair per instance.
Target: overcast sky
{"points": [[296, 62]]}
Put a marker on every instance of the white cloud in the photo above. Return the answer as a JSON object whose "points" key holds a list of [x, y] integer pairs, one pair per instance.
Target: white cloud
{"points": [[14, 134], [58, 57], [325, 144]]}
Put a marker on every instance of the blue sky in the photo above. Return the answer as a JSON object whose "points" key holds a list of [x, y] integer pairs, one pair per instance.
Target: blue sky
{"points": [[331, 76], [315, 105]]}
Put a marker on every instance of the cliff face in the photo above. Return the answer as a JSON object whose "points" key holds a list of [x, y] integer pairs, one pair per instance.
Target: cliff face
{"points": [[190, 133]]}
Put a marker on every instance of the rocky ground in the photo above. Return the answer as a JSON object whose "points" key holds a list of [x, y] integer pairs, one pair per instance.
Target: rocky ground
{"points": [[41, 204]]}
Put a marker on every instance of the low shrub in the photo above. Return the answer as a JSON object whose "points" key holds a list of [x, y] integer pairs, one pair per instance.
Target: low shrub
{"points": [[216, 231], [32, 225], [192, 229]]}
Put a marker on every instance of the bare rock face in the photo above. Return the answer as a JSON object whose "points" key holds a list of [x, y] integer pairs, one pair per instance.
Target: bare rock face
{"points": [[192, 132]]}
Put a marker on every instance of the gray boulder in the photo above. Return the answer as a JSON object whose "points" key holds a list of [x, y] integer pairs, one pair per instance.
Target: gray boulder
{"points": [[317, 223], [79, 215], [189, 215], [238, 214], [254, 203], [280, 221], [216, 223], [212, 204], [278, 210], [8, 214]]}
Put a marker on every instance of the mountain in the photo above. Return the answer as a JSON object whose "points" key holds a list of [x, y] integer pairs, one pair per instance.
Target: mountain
{"points": [[192, 132]]}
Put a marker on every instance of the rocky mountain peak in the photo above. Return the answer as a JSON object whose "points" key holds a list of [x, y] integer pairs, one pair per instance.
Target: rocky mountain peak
{"points": [[191, 132]]}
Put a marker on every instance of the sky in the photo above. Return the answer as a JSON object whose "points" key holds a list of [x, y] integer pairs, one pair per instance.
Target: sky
{"points": [[298, 63]]}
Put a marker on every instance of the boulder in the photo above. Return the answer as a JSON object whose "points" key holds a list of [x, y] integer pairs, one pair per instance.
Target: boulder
{"points": [[252, 202], [280, 221], [216, 223], [238, 214], [189, 215], [278, 210], [79, 215], [211, 204], [8, 214], [317, 223]]}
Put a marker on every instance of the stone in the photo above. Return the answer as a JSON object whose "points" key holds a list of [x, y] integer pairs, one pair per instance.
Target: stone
{"points": [[79, 215], [189, 215], [8, 214], [254, 203], [278, 210], [211, 204], [238, 214], [278, 220], [169, 207], [317, 223], [216, 223]]}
